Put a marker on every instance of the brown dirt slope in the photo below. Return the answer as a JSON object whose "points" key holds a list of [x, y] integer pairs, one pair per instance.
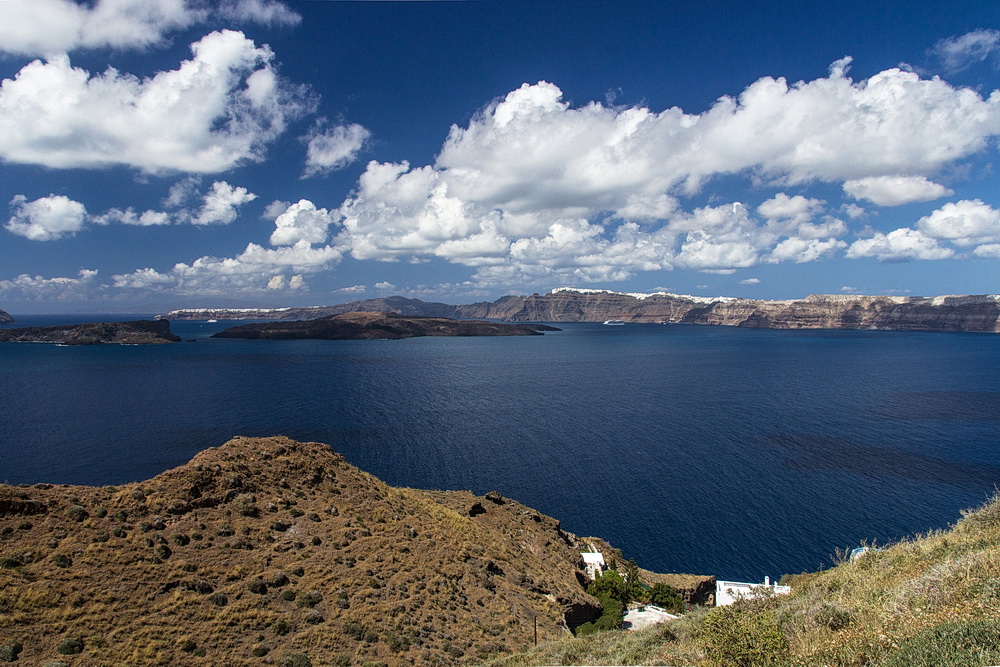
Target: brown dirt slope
{"points": [[265, 548]]}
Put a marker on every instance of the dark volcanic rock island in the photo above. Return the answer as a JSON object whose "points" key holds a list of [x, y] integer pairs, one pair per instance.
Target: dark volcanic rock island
{"points": [[378, 326], [139, 332], [5, 318]]}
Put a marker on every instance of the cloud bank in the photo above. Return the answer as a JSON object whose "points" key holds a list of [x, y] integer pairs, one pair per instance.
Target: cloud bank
{"points": [[215, 111]]}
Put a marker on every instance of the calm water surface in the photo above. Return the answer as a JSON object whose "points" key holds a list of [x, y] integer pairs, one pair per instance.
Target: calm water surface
{"points": [[712, 450]]}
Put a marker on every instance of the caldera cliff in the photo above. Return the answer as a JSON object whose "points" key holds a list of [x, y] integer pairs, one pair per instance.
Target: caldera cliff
{"points": [[972, 313]]}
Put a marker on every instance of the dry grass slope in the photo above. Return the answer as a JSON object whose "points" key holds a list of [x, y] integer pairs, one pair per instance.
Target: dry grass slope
{"points": [[267, 551], [927, 601]]}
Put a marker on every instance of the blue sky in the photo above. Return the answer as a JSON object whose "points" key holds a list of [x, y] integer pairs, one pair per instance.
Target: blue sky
{"points": [[172, 153]]}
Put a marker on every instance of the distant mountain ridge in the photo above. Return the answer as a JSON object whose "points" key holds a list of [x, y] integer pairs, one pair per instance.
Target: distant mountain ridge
{"points": [[968, 313]]}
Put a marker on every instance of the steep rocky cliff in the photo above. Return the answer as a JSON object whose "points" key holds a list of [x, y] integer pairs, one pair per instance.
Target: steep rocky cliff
{"points": [[823, 311], [139, 332]]}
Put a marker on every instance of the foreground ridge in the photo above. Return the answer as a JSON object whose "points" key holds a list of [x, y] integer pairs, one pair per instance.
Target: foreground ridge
{"points": [[265, 546], [969, 313]]}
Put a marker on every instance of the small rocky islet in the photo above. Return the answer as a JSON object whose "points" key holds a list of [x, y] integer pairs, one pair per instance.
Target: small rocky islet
{"points": [[138, 332]]}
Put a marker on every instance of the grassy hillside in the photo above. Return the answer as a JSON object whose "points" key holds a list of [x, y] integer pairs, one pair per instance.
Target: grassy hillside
{"points": [[930, 600], [269, 551]]}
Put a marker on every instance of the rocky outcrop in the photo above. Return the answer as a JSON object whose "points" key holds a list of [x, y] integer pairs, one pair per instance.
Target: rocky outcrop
{"points": [[140, 332], [5, 317], [377, 326], [819, 311]]}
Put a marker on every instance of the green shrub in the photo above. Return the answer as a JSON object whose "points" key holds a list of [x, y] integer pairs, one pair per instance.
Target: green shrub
{"points": [[24, 525], [62, 560], [219, 599], [288, 595], [245, 504], [257, 586], [963, 643], [742, 635], [10, 651], [298, 572], [292, 659], [310, 598], [277, 580], [666, 597], [76, 513], [70, 646], [259, 651], [353, 630], [281, 628], [9, 563]]}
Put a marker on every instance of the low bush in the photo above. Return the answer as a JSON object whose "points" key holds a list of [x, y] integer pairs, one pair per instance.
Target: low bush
{"points": [[76, 513], [293, 659], [257, 586], [70, 646], [10, 651], [310, 598], [742, 635]]}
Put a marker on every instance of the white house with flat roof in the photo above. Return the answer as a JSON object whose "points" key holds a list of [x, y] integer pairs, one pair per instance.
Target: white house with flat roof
{"points": [[728, 592], [593, 563]]}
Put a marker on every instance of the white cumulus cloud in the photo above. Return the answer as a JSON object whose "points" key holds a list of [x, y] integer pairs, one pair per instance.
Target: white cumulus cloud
{"points": [[255, 269], [217, 110], [300, 221], [899, 245], [26, 287], [220, 204], [48, 27], [534, 188], [964, 223], [334, 148], [47, 218], [895, 190]]}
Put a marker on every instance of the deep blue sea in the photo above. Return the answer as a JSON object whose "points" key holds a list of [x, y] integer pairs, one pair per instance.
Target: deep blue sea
{"points": [[712, 450]]}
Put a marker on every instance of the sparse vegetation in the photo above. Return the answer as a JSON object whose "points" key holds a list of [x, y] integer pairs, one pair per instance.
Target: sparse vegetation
{"points": [[70, 646]]}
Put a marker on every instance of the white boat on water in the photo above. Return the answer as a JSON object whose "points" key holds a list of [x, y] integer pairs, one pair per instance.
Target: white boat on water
{"points": [[615, 323], [211, 321]]}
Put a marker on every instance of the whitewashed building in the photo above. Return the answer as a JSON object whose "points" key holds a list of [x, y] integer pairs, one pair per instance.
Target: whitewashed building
{"points": [[593, 563], [728, 592]]}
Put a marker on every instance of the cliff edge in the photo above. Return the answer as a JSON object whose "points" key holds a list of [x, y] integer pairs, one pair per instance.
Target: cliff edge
{"points": [[970, 313]]}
